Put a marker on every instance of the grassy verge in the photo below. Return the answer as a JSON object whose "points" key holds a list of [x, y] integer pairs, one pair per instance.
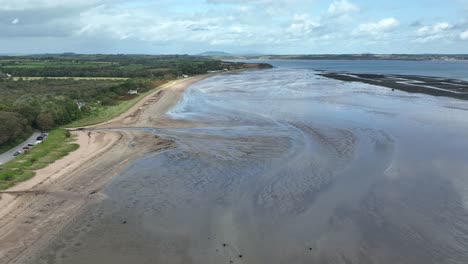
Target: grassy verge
{"points": [[57, 145], [106, 113]]}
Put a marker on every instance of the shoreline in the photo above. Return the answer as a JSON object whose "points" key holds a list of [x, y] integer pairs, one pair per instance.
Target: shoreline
{"points": [[33, 211]]}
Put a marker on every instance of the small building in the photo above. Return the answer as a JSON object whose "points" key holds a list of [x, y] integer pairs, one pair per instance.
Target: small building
{"points": [[8, 75], [132, 92], [80, 104], [185, 76]]}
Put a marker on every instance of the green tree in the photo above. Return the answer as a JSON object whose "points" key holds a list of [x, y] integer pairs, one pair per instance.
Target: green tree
{"points": [[45, 121], [12, 126], [28, 106]]}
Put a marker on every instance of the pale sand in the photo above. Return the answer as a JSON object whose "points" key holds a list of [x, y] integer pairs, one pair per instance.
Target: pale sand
{"points": [[33, 212]]}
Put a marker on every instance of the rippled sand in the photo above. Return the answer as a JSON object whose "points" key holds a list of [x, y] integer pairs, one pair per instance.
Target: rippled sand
{"points": [[284, 166]]}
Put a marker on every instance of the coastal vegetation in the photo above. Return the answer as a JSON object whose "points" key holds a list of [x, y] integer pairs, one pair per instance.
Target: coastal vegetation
{"points": [[44, 92], [99, 114], [119, 66]]}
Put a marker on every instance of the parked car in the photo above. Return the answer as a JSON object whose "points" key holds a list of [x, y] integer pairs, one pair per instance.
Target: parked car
{"points": [[40, 138], [38, 142], [26, 147], [30, 145], [17, 153]]}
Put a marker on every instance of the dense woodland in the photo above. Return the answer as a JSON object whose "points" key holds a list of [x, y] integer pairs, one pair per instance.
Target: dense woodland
{"points": [[47, 103], [129, 66], [44, 103]]}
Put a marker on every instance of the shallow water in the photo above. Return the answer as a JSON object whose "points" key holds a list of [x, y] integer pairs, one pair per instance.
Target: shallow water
{"points": [[436, 68], [289, 167]]}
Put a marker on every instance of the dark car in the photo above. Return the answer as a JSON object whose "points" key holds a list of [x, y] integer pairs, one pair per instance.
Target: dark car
{"points": [[30, 145], [40, 138], [26, 147], [17, 153]]}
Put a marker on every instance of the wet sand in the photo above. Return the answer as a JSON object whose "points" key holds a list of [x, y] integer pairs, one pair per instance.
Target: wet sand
{"points": [[35, 211], [435, 86], [281, 166]]}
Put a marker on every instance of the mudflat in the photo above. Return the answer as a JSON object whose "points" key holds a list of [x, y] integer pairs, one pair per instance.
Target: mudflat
{"points": [[284, 166], [435, 86], [35, 211]]}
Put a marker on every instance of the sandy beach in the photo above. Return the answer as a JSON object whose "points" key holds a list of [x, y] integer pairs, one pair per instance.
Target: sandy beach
{"points": [[33, 212], [276, 166]]}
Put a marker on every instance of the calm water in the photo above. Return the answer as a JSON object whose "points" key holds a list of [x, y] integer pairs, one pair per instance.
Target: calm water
{"points": [[289, 167], [447, 69]]}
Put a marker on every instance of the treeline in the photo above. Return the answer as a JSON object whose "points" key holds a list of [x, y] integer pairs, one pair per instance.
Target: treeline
{"points": [[47, 103], [128, 66]]}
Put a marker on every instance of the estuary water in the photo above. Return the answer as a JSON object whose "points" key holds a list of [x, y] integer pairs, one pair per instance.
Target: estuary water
{"points": [[435, 68], [285, 166]]}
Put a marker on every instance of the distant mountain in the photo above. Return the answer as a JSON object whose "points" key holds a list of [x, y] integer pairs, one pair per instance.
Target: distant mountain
{"points": [[214, 53]]}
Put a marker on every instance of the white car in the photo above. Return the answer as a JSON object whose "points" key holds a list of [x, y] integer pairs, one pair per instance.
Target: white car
{"points": [[38, 142]]}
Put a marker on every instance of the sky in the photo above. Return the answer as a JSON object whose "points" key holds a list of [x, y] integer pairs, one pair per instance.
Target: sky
{"points": [[234, 26]]}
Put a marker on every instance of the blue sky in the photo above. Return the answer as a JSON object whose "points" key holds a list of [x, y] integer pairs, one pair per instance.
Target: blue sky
{"points": [[235, 26]]}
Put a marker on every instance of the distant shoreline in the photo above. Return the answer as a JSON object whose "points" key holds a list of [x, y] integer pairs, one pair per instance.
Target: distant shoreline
{"points": [[356, 57]]}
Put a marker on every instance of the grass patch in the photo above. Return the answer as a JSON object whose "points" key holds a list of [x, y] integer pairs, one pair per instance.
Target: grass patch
{"points": [[56, 146]]}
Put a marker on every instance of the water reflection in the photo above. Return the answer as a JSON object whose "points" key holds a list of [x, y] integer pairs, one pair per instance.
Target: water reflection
{"points": [[290, 167]]}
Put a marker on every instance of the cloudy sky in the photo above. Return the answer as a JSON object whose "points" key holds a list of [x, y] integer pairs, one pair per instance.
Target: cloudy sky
{"points": [[236, 26]]}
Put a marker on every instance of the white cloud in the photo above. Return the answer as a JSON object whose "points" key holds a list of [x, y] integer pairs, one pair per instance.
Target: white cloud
{"points": [[377, 29], [464, 35], [342, 7], [263, 2], [121, 24], [167, 25], [9, 5], [303, 25], [437, 31]]}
